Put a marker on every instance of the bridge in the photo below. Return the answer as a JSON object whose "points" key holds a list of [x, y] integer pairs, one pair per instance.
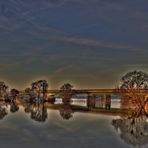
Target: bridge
{"points": [[103, 91]]}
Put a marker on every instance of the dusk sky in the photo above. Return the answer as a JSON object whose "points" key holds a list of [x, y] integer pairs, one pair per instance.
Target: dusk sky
{"points": [[89, 43]]}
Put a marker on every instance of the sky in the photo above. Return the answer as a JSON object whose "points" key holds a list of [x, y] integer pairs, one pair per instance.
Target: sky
{"points": [[89, 43]]}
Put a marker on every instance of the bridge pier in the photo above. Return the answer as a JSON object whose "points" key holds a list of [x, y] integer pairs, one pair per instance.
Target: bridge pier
{"points": [[91, 101]]}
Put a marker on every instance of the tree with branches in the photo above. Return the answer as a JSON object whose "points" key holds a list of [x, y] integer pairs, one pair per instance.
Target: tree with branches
{"points": [[40, 88], [133, 83]]}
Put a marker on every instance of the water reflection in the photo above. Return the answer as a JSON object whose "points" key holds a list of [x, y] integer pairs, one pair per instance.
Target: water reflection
{"points": [[66, 111], [14, 107], [132, 130], [3, 110], [133, 127], [5, 106], [37, 111]]}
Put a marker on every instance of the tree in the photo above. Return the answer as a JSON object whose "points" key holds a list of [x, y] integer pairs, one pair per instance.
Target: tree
{"points": [[66, 92], [134, 80], [66, 87], [133, 83], [14, 93], [28, 90], [3, 90], [40, 88]]}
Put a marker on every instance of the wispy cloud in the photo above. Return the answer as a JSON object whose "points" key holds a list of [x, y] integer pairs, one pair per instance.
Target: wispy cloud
{"points": [[90, 42]]}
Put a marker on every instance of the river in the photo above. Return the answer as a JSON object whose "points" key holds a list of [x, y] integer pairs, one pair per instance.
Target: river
{"points": [[20, 129]]}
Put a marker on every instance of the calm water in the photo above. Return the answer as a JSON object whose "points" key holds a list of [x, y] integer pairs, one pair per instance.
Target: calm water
{"points": [[19, 129]]}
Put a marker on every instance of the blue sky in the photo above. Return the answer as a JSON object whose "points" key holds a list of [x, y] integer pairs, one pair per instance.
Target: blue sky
{"points": [[89, 43]]}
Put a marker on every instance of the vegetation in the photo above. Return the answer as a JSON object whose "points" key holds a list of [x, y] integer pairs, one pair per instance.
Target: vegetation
{"points": [[134, 82]]}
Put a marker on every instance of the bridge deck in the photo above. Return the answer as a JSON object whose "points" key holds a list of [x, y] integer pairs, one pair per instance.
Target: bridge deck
{"points": [[103, 91]]}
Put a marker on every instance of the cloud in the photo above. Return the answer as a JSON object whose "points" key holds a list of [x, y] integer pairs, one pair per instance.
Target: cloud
{"points": [[89, 42]]}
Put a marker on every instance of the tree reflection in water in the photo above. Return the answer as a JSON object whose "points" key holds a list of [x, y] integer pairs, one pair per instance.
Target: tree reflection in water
{"points": [[38, 111], [14, 107], [3, 110], [66, 111], [133, 129]]}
